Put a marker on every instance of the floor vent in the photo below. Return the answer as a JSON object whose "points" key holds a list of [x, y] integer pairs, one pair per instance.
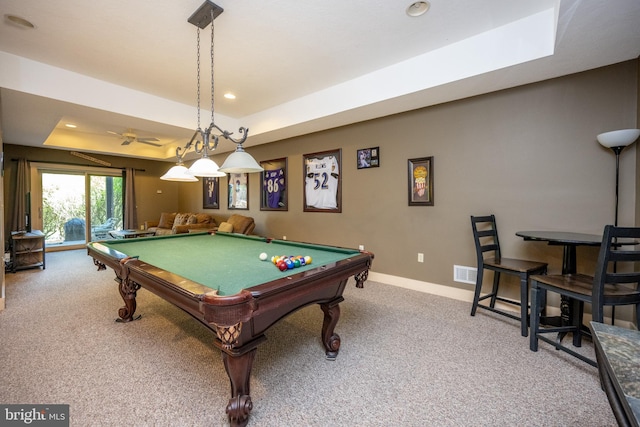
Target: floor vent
{"points": [[465, 274]]}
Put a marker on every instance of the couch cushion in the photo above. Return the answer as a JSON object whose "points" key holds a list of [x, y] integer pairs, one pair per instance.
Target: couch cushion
{"points": [[241, 224], [225, 227], [203, 218], [166, 220], [193, 219]]}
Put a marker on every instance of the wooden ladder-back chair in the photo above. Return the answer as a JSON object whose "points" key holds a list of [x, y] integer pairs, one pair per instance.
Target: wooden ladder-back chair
{"points": [[485, 235], [615, 283]]}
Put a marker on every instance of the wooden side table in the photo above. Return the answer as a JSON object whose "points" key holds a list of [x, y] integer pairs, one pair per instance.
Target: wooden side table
{"points": [[27, 250]]}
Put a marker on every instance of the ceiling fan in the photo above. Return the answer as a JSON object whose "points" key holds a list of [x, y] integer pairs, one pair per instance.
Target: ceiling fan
{"points": [[129, 136]]}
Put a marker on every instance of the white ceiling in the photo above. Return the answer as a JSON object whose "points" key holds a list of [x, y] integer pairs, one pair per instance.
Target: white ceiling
{"points": [[295, 67]]}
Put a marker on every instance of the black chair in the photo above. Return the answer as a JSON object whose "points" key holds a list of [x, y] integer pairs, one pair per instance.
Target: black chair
{"points": [[610, 286], [485, 235]]}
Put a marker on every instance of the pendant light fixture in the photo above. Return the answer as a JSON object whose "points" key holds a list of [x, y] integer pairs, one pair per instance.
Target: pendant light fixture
{"points": [[205, 141]]}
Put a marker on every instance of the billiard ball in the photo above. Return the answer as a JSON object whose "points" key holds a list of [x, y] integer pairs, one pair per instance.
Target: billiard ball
{"points": [[282, 266], [263, 256], [307, 259]]}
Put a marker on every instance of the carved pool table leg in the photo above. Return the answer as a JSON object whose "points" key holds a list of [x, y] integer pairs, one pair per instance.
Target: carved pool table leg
{"points": [[239, 371], [128, 290], [330, 339]]}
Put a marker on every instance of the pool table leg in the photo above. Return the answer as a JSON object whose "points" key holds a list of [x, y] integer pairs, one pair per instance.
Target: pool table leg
{"points": [[128, 291], [330, 339], [239, 370]]}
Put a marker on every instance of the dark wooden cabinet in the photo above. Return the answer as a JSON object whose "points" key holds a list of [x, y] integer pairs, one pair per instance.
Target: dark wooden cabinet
{"points": [[27, 250]]}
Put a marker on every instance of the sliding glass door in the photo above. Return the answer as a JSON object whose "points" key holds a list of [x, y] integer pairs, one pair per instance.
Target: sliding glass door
{"points": [[74, 206]]}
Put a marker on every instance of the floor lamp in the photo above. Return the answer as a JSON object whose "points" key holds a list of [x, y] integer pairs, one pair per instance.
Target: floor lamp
{"points": [[617, 140]]}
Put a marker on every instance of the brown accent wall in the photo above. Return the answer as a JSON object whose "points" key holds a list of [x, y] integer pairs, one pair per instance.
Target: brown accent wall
{"points": [[528, 154]]}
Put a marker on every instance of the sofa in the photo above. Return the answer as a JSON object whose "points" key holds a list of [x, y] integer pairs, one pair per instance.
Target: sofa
{"points": [[177, 223]]}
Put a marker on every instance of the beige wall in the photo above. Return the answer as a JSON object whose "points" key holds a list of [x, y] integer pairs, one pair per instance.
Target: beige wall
{"points": [[527, 154]]}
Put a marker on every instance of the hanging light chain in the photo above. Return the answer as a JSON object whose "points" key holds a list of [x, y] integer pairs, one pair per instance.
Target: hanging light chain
{"points": [[198, 73], [212, 19]]}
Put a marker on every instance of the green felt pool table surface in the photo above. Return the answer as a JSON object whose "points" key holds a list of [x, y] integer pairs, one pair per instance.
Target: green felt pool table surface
{"points": [[227, 263]]}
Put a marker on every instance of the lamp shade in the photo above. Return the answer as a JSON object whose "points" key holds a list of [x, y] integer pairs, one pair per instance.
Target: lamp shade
{"points": [[205, 167], [240, 161], [618, 138], [179, 173]]}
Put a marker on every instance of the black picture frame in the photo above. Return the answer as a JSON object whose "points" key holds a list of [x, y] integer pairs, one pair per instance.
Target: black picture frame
{"points": [[210, 193], [273, 192], [368, 158], [421, 181], [238, 191], [322, 181]]}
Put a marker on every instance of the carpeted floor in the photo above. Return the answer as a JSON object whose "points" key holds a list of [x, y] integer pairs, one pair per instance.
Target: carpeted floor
{"points": [[407, 359]]}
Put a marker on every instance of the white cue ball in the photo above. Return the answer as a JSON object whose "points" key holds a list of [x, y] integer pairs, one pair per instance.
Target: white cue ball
{"points": [[263, 256]]}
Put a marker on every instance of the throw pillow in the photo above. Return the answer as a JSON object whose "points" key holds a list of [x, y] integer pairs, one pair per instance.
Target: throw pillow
{"points": [[225, 227], [193, 219], [181, 219], [166, 220]]}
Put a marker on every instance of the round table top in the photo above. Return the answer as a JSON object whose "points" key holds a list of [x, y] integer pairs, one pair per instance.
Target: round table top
{"points": [[562, 237]]}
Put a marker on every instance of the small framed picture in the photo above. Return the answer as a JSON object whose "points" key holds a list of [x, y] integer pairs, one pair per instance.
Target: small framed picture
{"points": [[322, 181], [421, 181], [368, 158], [238, 191], [210, 193], [273, 195]]}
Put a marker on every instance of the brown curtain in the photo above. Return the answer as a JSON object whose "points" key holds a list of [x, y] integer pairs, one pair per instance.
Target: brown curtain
{"points": [[18, 216], [130, 211]]}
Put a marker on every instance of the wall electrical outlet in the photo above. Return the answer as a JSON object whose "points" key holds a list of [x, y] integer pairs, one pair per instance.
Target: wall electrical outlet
{"points": [[420, 257], [361, 247], [284, 237]]}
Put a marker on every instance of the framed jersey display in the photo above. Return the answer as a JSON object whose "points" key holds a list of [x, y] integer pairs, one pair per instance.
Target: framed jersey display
{"points": [[238, 190], [273, 195], [323, 181], [421, 181], [210, 193]]}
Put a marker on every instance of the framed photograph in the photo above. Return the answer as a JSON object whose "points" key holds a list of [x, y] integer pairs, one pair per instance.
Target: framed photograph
{"points": [[421, 181], [322, 181], [273, 194], [238, 190], [368, 158], [210, 193]]}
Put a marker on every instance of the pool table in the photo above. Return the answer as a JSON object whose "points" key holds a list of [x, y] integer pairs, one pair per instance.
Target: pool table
{"points": [[220, 280]]}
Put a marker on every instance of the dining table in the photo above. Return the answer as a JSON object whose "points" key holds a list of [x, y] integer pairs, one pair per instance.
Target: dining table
{"points": [[569, 241]]}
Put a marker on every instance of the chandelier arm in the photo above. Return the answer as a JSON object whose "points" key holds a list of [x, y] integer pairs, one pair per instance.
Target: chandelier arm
{"points": [[227, 135]]}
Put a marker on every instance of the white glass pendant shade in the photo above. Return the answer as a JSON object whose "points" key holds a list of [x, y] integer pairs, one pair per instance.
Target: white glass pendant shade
{"points": [[618, 138], [239, 162], [179, 173], [205, 167]]}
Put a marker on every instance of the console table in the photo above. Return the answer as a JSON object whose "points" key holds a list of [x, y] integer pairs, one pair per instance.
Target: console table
{"points": [[27, 250]]}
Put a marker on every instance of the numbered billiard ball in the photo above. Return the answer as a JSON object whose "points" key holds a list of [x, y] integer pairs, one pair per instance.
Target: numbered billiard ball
{"points": [[307, 259], [282, 266]]}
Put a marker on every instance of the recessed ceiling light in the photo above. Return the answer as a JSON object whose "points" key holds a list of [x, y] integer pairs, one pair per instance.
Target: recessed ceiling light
{"points": [[418, 8], [229, 95], [19, 21], [71, 125]]}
